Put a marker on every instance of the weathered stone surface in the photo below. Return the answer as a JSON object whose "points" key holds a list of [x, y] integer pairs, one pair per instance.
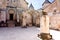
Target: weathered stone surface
{"points": [[29, 19], [24, 19], [37, 19], [55, 21], [17, 33]]}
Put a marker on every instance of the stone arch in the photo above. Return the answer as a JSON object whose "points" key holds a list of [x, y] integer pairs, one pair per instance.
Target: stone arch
{"points": [[11, 11], [11, 14]]}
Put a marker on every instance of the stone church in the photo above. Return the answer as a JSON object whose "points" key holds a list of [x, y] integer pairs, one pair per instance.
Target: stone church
{"points": [[10, 11], [16, 13]]}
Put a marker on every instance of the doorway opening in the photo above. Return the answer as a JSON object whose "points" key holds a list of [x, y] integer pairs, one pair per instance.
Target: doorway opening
{"points": [[11, 16]]}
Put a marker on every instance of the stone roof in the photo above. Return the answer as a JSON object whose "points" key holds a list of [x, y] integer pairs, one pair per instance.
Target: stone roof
{"points": [[45, 2], [31, 6]]}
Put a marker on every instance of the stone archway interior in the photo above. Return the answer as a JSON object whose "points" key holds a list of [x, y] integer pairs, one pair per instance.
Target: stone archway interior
{"points": [[11, 14]]}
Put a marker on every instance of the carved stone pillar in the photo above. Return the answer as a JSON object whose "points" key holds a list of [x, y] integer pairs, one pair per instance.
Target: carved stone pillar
{"points": [[24, 20], [44, 29], [38, 21]]}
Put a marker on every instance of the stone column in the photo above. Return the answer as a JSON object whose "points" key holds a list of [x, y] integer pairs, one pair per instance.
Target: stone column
{"points": [[30, 20], [44, 29], [24, 20], [17, 17], [34, 19], [38, 20]]}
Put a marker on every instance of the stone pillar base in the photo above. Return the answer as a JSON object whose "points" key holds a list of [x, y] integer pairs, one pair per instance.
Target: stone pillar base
{"points": [[24, 26], [17, 24], [45, 36], [30, 25], [37, 25]]}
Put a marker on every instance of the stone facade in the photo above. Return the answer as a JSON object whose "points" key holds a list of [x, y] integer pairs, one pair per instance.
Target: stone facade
{"points": [[17, 13], [51, 6], [10, 11], [53, 10]]}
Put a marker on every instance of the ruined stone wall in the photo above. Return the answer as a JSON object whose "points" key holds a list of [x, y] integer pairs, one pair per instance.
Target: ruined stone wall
{"points": [[55, 21], [29, 19], [37, 19]]}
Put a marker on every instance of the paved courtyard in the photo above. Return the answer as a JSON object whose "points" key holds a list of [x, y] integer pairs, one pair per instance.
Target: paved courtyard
{"points": [[29, 33], [18, 33]]}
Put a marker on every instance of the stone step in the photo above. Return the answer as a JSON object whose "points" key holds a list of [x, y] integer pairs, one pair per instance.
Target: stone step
{"points": [[11, 24]]}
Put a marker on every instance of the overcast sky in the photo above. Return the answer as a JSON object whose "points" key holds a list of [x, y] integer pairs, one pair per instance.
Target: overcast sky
{"points": [[36, 3]]}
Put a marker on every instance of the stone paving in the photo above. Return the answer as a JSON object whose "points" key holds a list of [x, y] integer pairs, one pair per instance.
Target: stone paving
{"points": [[18, 33], [29, 33]]}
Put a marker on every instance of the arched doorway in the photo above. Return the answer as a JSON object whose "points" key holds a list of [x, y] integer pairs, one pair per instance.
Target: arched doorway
{"points": [[11, 22], [11, 14]]}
